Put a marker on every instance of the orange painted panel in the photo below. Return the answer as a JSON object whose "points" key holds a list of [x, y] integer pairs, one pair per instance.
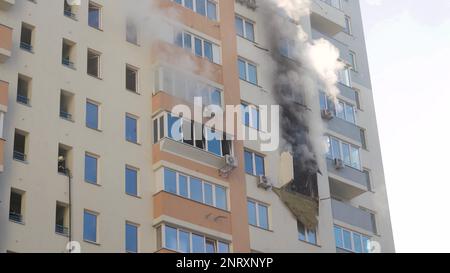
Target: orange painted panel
{"points": [[190, 211], [4, 93], [5, 37]]}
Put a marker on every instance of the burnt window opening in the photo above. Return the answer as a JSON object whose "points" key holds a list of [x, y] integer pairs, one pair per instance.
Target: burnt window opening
{"points": [[305, 180]]}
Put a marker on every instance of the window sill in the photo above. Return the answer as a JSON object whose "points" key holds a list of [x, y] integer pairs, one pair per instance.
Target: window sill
{"points": [[95, 129], [16, 222], [27, 50], [91, 243], [93, 184], [96, 28], [132, 142], [95, 77], [24, 104], [308, 243], [67, 119], [21, 161], [62, 234], [133, 196], [263, 229], [254, 84], [132, 91], [247, 39], [69, 67]]}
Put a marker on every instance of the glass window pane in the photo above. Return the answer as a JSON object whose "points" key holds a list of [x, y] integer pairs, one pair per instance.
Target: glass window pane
{"points": [[198, 244], [221, 198], [170, 181], [336, 148], [131, 238], [312, 237], [242, 70], [357, 243], [216, 98], [189, 4], [248, 158], [346, 153], [255, 118], [212, 11], [252, 77], [208, 51], [259, 165], [338, 237], [131, 181], [198, 47], [174, 127], [131, 129], [94, 16], [90, 227], [179, 39], [251, 207], [187, 41], [185, 244], [355, 158], [323, 101], [91, 115], [201, 7], [245, 115], [263, 215], [365, 244], [301, 231], [183, 186], [249, 31], [223, 247], [239, 26], [347, 240], [210, 246], [90, 169], [171, 238], [208, 191], [340, 111], [196, 190], [349, 113], [214, 139]]}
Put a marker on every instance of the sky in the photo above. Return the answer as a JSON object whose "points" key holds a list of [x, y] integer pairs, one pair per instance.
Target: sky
{"points": [[408, 43]]}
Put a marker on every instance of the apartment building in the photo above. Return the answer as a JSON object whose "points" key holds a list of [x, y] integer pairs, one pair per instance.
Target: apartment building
{"points": [[88, 154]]}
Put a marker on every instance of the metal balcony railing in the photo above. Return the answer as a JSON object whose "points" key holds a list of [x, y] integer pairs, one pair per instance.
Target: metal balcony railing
{"points": [[26, 46], [62, 230], [70, 14], [23, 99], [67, 62], [65, 115], [15, 217], [19, 156]]}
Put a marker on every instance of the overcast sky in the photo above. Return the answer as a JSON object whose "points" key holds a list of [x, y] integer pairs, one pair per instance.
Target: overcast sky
{"points": [[409, 53]]}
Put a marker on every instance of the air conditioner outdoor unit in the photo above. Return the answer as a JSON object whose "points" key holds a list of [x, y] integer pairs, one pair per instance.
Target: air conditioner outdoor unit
{"points": [[263, 183], [327, 114], [230, 164], [339, 164]]}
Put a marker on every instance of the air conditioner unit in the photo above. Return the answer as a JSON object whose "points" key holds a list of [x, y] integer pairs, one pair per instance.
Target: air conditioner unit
{"points": [[230, 164], [263, 183], [339, 164], [327, 114]]}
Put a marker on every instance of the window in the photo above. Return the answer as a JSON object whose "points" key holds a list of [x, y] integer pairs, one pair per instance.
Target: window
{"points": [[370, 186], [287, 48], [69, 10], [195, 189], [342, 109], [24, 90], [258, 214], [62, 219], [245, 28], [348, 153], [305, 234], [95, 13], [184, 86], [351, 241], [66, 105], [131, 238], [90, 227], [250, 116], [16, 206], [131, 74], [20, 145], [200, 47], [93, 64], [363, 138], [206, 8], [131, 32], [254, 164], [353, 62], [344, 77], [187, 242], [348, 25], [131, 181], [26, 37], [91, 168], [92, 115], [64, 159], [247, 71], [131, 127], [68, 53]]}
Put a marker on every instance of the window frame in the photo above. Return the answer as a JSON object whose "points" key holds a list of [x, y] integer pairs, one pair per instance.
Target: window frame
{"points": [[332, 155], [96, 215], [100, 15], [257, 205], [247, 64], [254, 155], [246, 21], [352, 249]]}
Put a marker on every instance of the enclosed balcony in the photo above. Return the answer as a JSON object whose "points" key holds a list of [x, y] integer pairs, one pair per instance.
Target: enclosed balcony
{"points": [[345, 128], [6, 4], [5, 43], [327, 17], [347, 182], [353, 216], [344, 53]]}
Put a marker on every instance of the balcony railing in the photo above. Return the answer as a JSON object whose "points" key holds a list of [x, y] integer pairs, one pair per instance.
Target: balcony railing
{"points": [[65, 115], [19, 156], [68, 63], [62, 230], [70, 14], [26, 46], [23, 99], [15, 217]]}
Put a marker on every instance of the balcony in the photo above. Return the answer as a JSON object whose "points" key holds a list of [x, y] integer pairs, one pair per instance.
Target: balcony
{"points": [[345, 128], [347, 92], [6, 4], [347, 182], [344, 53], [5, 43], [353, 216], [327, 18], [15, 217]]}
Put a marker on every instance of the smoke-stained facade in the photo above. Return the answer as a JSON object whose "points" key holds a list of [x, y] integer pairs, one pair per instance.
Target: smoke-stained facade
{"points": [[94, 159]]}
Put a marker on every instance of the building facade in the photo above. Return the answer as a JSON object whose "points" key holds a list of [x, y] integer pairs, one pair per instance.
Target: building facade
{"points": [[87, 153]]}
